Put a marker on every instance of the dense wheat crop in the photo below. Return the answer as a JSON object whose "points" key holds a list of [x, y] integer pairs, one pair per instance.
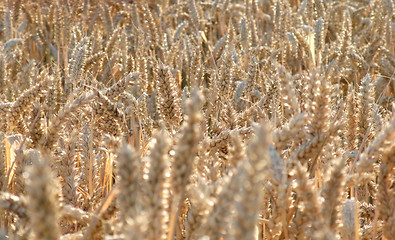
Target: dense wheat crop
{"points": [[197, 119]]}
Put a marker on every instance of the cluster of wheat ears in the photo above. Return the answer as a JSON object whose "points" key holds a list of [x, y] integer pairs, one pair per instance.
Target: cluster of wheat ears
{"points": [[189, 119]]}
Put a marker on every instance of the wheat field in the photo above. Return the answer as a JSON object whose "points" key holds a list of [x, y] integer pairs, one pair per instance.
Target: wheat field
{"points": [[197, 119]]}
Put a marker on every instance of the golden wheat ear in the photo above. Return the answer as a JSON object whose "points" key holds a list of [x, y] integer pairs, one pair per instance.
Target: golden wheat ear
{"points": [[49, 140], [169, 99], [23, 103], [42, 190], [156, 187], [130, 178]]}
